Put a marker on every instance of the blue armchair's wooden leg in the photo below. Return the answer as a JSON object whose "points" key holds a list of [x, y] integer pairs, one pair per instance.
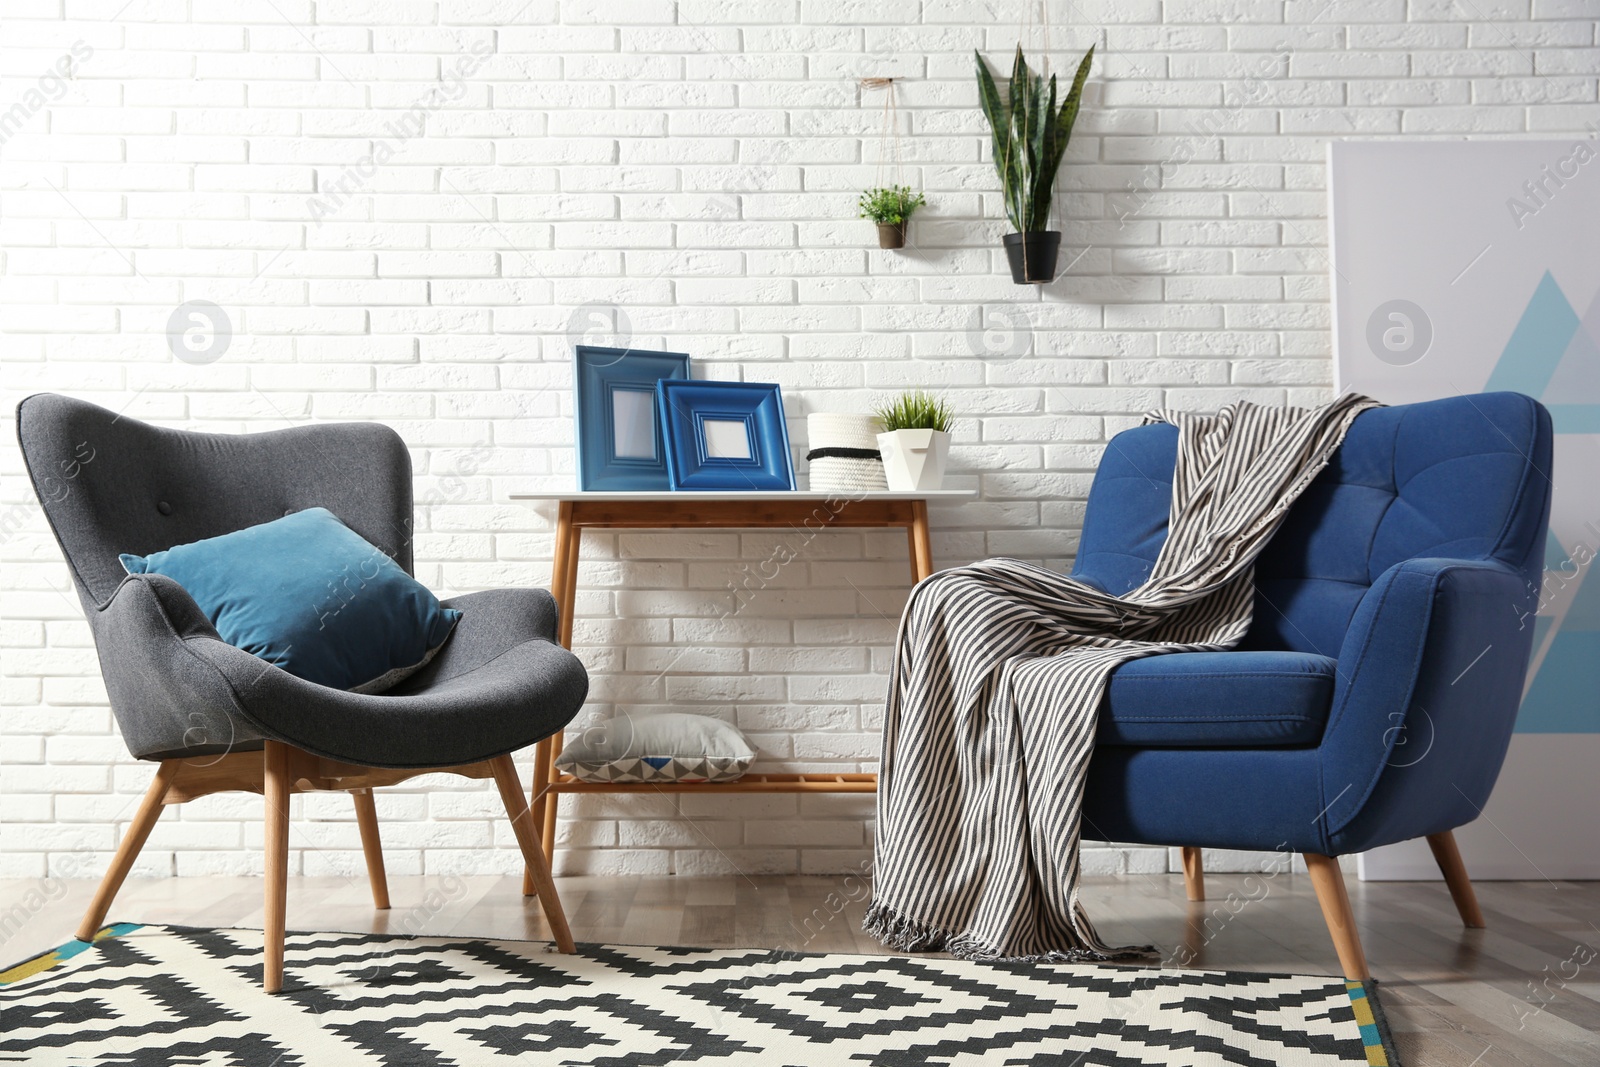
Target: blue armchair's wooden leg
{"points": [[1328, 880], [371, 846], [1194, 874], [277, 783], [144, 820], [1448, 857]]}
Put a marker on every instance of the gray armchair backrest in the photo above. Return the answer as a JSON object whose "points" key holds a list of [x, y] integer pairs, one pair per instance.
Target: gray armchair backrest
{"points": [[110, 484]]}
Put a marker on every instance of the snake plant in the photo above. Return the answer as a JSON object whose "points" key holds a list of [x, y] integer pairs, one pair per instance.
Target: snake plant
{"points": [[1030, 136]]}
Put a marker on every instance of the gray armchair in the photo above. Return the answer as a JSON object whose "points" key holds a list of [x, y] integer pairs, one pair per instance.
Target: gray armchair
{"points": [[217, 718]]}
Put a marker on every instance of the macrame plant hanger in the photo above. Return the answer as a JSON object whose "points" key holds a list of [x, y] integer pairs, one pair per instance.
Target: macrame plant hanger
{"points": [[888, 136]]}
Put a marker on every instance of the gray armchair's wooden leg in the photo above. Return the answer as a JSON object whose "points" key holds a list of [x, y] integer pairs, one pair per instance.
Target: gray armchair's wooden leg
{"points": [[539, 795], [1194, 874], [371, 846], [1328, 880], [144, 820], [276, 775], [1448, 857], [538, 867]]}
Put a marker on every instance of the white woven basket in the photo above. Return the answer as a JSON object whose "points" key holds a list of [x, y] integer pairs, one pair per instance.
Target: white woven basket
{"points": [[833, 474], [844, 454]]}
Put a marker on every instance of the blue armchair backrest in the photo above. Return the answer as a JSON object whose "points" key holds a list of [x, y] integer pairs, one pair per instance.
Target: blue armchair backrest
{"points": [[1464, 478]]}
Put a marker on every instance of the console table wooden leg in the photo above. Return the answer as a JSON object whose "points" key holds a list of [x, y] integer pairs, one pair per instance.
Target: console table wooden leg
{"points": [[567, 600], [551, 802], [921, 544], [560, 588], [563, 586]]}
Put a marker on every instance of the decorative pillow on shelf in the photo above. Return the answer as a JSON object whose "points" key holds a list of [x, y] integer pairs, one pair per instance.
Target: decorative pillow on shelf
{"points": [[310, 595], [671, 747]]}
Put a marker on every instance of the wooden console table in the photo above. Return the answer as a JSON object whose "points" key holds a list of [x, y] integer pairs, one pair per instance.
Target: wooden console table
{"points": [[739, 510]]}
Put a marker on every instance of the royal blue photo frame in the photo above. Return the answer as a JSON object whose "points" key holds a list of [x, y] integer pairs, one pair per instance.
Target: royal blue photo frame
{"points": [[614, 398], [724, 436]]}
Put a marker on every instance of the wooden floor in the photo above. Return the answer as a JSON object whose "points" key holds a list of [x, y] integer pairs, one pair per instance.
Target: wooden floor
{"points": [[1524, 991]]}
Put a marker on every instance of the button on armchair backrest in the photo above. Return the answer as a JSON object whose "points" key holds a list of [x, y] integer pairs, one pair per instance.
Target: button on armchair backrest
{"points": [[111, 484], [1461, 478]]}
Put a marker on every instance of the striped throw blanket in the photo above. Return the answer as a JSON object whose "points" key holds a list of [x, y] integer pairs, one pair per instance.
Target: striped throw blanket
{"points": [[999, 670]]}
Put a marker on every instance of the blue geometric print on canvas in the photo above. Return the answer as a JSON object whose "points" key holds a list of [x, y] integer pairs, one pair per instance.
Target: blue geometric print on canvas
{"points": [[1554, 354], [1565, 669]]}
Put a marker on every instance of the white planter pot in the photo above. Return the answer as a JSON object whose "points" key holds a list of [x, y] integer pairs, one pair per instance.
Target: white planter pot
{"points": [[914, 459]]}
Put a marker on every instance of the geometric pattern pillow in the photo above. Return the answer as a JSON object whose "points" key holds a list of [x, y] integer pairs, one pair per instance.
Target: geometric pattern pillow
{"points": [[661, 769], [665, 747]]}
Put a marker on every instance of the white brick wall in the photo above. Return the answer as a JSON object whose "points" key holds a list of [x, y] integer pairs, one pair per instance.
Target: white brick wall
{"points": [[683, 175]]}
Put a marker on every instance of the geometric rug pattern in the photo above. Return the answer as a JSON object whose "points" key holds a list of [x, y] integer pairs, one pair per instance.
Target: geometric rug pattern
{"points": [[162, 995]]}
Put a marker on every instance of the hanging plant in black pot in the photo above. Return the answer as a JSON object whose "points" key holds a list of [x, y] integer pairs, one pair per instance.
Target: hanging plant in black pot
{"points": [[1030, 137]]}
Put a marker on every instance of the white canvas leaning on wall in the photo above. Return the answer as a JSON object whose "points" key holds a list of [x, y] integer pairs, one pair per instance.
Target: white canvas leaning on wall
{"points": [[1470, 266]]}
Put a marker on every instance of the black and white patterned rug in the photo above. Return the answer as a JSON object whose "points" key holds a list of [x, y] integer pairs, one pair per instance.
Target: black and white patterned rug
{"points": [[168, 995]]}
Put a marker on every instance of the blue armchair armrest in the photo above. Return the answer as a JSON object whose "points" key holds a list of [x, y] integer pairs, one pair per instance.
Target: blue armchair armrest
{"points": [[1430, 679]]}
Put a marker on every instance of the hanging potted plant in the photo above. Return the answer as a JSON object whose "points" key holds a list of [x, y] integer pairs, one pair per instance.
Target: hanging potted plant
{"points": [[1030, 135], [890, 207], [915, 440]]}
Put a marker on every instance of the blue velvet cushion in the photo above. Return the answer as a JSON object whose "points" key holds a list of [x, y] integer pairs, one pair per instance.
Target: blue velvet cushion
{"points": [[308, 594], [1218, 700]]}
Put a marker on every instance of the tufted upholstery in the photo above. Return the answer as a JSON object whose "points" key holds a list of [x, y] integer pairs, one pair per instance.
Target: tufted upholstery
{"points": [[1449, 478]]}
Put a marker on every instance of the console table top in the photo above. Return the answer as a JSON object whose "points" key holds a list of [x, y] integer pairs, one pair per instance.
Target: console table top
{"points": [[750, 495]]}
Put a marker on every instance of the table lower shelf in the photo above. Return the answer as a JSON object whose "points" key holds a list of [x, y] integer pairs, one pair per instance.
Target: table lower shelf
{"points": [[750, 783]]}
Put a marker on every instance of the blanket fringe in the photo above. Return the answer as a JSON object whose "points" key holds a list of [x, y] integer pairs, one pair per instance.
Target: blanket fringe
{"points": [[901, 933], [905, 934]]}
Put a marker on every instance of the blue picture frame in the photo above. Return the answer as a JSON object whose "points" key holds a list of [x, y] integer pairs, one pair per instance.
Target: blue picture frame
{"points": [[621, 447], [725, 436]]}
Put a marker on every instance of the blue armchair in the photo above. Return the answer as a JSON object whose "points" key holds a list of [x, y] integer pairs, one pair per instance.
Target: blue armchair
{"points": [[1373, 699]]}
